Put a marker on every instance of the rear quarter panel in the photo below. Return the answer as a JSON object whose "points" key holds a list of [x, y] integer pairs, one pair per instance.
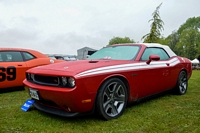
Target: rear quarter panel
{"points": [[38, 62], [185, 65], [16, 77]]}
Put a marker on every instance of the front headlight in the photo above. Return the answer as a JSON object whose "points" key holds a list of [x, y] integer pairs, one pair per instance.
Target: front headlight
{"points": [[71, 82], [67, 82], [64, 81]]}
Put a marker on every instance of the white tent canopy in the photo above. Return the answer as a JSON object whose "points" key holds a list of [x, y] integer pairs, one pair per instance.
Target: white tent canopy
{"points": [[195, 61]]}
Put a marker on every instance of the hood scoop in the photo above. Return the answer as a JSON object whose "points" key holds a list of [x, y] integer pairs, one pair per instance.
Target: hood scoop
{"points": [[93, 61]]}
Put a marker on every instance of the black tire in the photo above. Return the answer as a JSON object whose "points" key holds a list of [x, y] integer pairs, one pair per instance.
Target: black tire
{"points": [[182, 83], [111, 99]]}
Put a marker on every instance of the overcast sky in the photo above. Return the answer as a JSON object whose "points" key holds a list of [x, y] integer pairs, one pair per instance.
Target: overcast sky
{"points": [[64, 26]]}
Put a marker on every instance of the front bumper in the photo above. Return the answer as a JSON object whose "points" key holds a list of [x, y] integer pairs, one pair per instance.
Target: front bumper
{"points": [[54, 111], [62, 101]]}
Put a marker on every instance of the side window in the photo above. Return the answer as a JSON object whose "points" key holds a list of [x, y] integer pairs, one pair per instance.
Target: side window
{"points": [[146, 54], [10, 56], [28, 56], [162, 53], [158, 51]]}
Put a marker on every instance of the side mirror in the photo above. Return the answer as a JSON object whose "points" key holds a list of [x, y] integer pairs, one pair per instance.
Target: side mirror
{"points": [[153, 57]]}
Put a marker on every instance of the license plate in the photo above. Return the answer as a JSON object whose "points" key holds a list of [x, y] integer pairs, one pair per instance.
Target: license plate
{"points": [[34, 93]]}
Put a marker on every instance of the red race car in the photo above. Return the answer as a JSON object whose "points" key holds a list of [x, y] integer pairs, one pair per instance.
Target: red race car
{"points": [[14, 62], [108, 80]]}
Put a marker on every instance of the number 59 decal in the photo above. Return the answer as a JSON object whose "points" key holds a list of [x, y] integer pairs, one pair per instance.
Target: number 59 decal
{"points": [[8, 73]]}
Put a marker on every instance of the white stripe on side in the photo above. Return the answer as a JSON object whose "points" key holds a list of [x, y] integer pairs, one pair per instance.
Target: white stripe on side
{"points": [[128, 67]]}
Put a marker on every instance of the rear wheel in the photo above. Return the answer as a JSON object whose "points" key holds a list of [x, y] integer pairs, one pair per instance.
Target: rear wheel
{"points": [[182, 83], [111, 99]]}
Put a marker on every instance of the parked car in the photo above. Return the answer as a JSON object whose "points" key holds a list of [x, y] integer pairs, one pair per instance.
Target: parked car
{"points": [[14, 62], [65, 57], [108, 80], [51, 56]]}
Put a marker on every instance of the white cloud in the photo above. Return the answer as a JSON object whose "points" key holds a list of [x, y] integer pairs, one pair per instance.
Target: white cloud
{"points": [[64, 26]]}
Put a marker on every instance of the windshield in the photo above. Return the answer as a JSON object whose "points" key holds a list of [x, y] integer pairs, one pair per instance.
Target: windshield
{"points": [[116, 53]]}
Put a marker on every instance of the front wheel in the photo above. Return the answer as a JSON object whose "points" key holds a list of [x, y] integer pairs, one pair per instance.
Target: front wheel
{"points": [[111, 99], [182, 83]]}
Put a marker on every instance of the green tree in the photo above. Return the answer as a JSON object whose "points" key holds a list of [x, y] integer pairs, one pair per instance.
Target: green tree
{"points": [[172, 40], [189, 43], [118, 40], [190, 23], [156, 27], [177, 42], [162, 40]]}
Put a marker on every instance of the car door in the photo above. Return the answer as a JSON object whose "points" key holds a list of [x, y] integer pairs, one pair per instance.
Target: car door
{"points": [[155, 76], [33, 61], [12, 69]]}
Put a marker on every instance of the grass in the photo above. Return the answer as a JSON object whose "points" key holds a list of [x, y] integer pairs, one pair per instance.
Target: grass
{"points": [[166, 114]]}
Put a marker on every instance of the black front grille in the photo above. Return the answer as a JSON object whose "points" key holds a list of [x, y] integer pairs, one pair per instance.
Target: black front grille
{"points": [[46, 80]]}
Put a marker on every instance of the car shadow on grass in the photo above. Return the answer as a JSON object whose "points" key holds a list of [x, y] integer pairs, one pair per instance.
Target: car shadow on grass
{"points": [[151, 98], [7, 90], [84, 117]]}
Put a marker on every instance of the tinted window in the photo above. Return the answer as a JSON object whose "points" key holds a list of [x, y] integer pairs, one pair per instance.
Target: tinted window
{"points": [[28, 56], [10, 56], [158, 51], [116, 53]]}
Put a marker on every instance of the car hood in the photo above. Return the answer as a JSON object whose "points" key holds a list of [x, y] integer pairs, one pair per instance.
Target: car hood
{"points": [[77, 67]]}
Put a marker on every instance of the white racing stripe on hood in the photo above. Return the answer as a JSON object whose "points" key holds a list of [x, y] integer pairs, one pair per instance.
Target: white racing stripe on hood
{"points": [[128, 67]]}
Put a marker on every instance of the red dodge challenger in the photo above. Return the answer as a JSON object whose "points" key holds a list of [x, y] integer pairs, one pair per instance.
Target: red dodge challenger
{"points": [[108, 80]]}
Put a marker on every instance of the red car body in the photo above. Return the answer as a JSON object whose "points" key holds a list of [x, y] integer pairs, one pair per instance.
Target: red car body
{"points": [[107, 84]]}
